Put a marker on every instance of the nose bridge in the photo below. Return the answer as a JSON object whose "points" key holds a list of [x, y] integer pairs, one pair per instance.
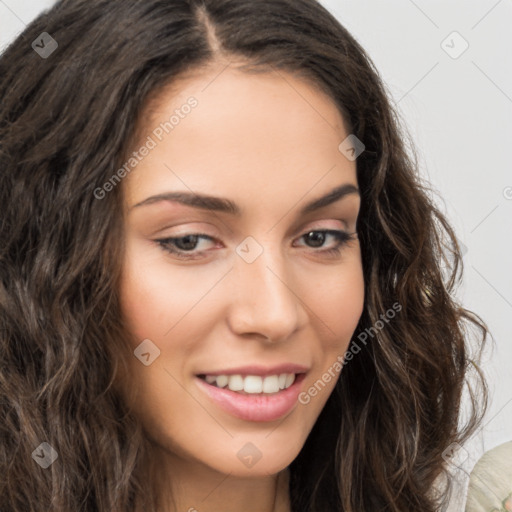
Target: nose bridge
{"points": [[264, 302]]}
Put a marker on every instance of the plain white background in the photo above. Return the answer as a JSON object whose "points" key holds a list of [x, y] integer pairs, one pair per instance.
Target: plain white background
{"points": [[458, 108]]}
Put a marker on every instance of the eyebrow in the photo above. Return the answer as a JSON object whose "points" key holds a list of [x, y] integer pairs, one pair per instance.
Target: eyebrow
{"points": [[223, 205]]}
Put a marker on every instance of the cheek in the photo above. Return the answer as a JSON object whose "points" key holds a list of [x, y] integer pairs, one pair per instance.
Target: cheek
{"points": [[338, 304], [152, 296], [350, 296], [144, 301], [153, 299]]}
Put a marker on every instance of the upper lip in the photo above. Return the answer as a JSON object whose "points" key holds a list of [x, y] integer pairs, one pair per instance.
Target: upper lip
{"points": [[259, 370]]}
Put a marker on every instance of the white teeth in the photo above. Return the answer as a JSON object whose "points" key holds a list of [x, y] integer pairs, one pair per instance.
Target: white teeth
{"points": [[222, 380], [271, 384], [253, 383], [236, 383]]}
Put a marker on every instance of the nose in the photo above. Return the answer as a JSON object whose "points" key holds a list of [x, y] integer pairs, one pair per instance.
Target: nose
{"points": [[265, 298]]}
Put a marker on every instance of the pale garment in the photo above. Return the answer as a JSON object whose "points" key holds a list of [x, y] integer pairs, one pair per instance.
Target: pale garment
{"points": [[490, 483]]}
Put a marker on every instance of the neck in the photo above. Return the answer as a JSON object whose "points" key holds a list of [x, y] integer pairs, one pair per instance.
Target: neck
{"points": [[189, 486]]}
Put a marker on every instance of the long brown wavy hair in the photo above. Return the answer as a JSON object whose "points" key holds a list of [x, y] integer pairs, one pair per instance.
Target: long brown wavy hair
{"points": [[68, 121]]}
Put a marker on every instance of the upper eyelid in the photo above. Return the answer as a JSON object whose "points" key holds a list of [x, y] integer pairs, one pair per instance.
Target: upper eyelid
{"points": [[199, 231]]}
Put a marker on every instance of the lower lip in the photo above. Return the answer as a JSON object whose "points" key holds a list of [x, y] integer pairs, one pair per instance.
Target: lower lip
{"points": [[255, 407]]}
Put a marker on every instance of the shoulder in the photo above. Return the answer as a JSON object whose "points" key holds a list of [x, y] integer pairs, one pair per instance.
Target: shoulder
{"points": [[490, 483]]}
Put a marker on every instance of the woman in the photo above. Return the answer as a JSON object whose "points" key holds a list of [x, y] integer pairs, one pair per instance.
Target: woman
{"points": [[223, 282]]}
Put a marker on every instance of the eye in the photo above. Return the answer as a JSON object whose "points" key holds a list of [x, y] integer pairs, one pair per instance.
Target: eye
{"points": [[318, 237], [185, 246]]}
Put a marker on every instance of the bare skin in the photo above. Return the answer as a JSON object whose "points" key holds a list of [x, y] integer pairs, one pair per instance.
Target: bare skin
{"points": [[269, 143]]}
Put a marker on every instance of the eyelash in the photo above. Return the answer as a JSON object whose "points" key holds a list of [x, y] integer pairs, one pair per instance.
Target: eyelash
{"points": [[342, 239]]}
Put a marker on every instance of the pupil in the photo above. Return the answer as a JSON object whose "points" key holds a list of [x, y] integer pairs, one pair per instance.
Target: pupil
{"points": [[318, 236], [183, 242]]}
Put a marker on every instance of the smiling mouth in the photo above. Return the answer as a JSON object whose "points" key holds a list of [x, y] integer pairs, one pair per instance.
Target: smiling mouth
{"points": [[251, 384]]}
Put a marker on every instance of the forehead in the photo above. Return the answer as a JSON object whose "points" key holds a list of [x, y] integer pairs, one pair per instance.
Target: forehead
{"points": [[268, 133]]}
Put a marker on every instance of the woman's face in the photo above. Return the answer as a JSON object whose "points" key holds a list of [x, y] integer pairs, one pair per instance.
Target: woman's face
{"points": [[253, 302]]}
